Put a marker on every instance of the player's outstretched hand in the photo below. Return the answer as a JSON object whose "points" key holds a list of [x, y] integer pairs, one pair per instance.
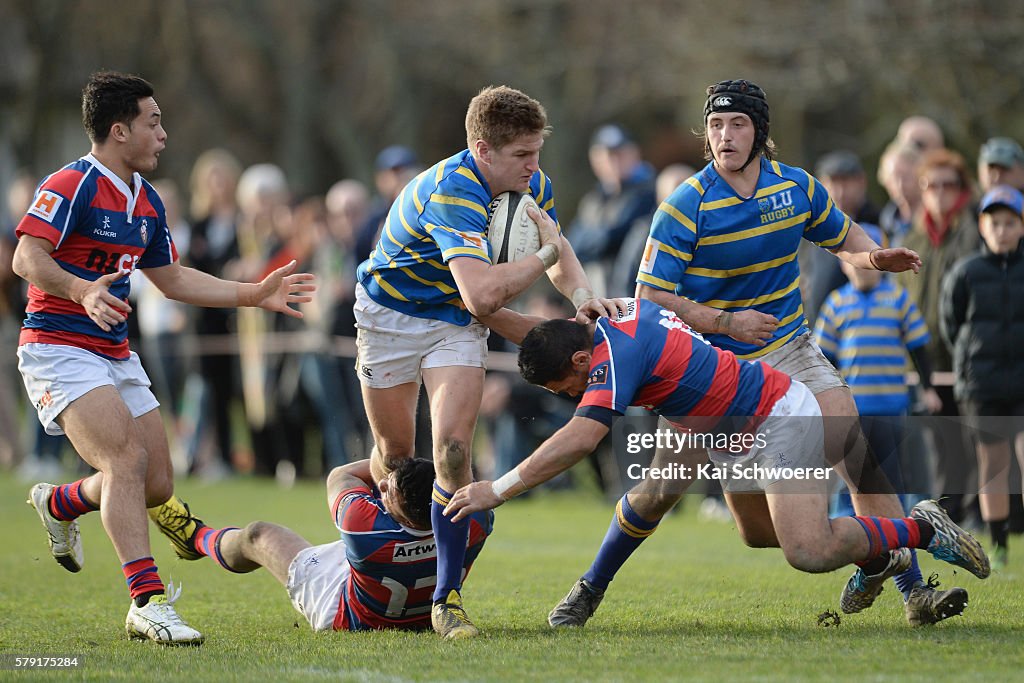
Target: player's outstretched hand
{"points": [[896, 260], [280, 289], [472, 498], [105, 309], [592, 309], [750, 326]]}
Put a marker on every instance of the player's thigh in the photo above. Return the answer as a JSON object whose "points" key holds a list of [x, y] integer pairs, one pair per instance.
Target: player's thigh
{"points": [[103, 431], [391, 413], [800, 521], [753, 519], [454, 393], [273, 546], [159, 471]]}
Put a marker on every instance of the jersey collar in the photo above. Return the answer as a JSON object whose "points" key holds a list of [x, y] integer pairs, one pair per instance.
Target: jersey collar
{"points": [[131, 197]]}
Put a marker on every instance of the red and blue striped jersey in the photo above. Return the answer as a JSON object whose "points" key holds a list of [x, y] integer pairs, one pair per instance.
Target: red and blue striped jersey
{"points": [[393, 568], [648, 357], [97, 225]]}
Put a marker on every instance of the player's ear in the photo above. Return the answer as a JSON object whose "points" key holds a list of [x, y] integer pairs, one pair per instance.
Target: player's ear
{"points": [[119, 131], [581, 359], [482, 151]]}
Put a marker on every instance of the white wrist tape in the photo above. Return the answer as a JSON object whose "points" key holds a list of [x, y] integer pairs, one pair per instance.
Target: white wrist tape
{"points": [[548, 255], [507, 481], [580, 296]]}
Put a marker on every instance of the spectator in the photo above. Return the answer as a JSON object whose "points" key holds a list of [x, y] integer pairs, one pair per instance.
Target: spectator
{"points": [[396, 166], [624, 193], [897, 173], [1000, 162], [921, 132], [842, 174], [622, 279], [944, 231], [213, 249], [865, 328], [983, 324]]}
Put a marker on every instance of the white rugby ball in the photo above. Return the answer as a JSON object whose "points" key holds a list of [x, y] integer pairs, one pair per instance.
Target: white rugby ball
{"points": [[512, 233]]}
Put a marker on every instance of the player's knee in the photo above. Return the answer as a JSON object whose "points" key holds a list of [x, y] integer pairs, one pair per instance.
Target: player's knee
{"points": [[452, 459], [808, 556], [158, 491], [757, 538], [257, 532]]}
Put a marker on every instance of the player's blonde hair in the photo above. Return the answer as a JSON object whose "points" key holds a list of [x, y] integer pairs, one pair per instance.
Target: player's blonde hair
{"points": [[500, 114]]}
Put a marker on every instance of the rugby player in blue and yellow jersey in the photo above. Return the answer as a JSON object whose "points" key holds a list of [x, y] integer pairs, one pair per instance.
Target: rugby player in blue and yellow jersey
{"points": [[722, 254], [430, 275]]}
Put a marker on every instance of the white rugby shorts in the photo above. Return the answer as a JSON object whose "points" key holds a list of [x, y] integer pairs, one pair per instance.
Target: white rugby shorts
{"points": [[55, 375], [316, 578], [802, 360], [393, 348]]}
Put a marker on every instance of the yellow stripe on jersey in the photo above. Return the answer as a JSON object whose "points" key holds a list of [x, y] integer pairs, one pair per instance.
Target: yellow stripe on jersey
{"points": [[693, 182], [828, 244], [439, 173], [430, 283], [463, 171], [876, 331], [810, 187], [753, 232], [824, 214], [465, 251], [768, 348], [756, 301], [885, 370], [676, 214], [873, 350], [878, 389], [772, 189], [798, 313], [719, 204], [754, 268], [674, 252], [657, 282], [387, 287], [459, 201], [776, 168]]}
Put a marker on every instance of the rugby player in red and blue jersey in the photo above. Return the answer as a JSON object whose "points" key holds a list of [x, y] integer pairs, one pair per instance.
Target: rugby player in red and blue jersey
{"points": [[380, 574], [89, 226], [649, 357]]}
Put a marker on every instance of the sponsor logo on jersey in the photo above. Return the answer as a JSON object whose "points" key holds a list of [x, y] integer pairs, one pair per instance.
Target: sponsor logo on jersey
{"points": [[414, 551], [630, 313], [599, 376], [45, 205], [650, 254], [104, 231], [472, 239], [776, 207], [143, 232]]}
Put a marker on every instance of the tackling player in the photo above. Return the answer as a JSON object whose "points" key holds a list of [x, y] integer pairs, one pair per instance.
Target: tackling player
{"points": [[380, 574], [89, 226], [649, 357], [430, 274]]}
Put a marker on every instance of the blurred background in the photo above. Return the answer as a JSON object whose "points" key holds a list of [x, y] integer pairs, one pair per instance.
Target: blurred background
{"points": [[319, 87]]}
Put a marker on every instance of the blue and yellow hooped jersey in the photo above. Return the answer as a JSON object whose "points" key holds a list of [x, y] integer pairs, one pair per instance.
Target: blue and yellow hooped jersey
{"points": [[712, 246], [440, 215]]}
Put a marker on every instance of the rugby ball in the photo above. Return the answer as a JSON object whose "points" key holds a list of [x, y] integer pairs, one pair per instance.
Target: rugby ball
{"points": [[512, 233]]}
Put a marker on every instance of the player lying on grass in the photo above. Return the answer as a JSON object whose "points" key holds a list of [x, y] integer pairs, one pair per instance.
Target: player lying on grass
{"points": [[380, 574], [649, 357]]}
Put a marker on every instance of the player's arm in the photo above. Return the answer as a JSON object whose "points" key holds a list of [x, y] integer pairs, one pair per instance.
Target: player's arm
{"points": [[354, 475], [562, 450], [511, 325], [750, 326], [33, 262], [859, 250], [568, 278], [276, 292]]}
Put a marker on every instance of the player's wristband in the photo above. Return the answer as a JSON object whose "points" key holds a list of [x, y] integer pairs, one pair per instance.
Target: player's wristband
{"points": [[580, 296], [871, 258], [506, 482], [548, 255]]}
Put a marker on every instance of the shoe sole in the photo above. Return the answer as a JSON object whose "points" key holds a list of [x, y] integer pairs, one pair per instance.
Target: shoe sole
{"points": [[971, 553], [66, 560], [952, 605], [135, 635]]}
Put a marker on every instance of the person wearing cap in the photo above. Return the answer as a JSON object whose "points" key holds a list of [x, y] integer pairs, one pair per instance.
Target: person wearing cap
{"points": [[842, 174], [982, 322], [722, 255], [394, 168], [1000, 162], [624, 193]]}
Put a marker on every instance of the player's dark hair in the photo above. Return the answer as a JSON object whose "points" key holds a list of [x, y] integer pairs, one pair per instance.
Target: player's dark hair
{"points": [[546, 353], [414, 478], [743, 97], [499, 115], [111, 97]]}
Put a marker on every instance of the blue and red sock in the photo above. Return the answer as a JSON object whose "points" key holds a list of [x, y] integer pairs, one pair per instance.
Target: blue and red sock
{"points": [[451, 538], [142, 579], [625, 534], [208, 543], [68, 502], [885, 534]]}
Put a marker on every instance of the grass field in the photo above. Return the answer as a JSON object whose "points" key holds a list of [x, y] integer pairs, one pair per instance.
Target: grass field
{"points": [[693, 604]]}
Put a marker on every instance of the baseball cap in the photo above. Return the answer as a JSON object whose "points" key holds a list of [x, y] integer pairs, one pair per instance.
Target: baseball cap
{"points": [[611, 136], [396, 156], [839, 163], [1003, 195], [1001, 152]]}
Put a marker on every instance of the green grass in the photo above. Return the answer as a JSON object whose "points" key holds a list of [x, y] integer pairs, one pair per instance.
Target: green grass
{"points": [[693, 604]]}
